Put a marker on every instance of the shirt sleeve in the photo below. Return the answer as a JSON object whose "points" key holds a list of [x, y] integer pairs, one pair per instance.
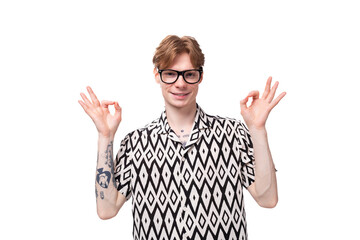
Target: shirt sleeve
{"points": [[247, 159], [123, 168]]}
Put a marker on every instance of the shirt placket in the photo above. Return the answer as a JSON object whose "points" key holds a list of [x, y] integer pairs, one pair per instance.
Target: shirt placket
{"points": [[183, 207], [184, 164], [181, 157]]}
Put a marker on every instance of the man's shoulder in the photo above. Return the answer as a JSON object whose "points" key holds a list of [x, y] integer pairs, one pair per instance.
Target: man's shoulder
{"points": [[227, 125], [216, 119], [152, 126]]}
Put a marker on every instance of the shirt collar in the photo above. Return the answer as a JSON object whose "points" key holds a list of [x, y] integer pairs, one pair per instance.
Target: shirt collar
{"points": [[201, 121]]}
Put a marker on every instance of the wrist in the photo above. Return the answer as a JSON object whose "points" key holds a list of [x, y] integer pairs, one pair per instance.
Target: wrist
{"points": [[257, 130], [106, 136]]}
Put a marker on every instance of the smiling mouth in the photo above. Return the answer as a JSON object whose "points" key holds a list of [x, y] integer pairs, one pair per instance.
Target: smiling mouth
{"points": [[180, 94]]}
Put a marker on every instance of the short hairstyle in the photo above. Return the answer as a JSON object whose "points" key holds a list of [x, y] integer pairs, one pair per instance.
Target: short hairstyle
{"points": [[172, 45]]}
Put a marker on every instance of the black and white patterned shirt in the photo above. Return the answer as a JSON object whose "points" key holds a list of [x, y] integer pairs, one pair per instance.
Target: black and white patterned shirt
{"points": [[187, 192]]}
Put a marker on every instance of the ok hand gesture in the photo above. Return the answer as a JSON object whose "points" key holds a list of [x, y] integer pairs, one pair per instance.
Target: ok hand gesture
{"points": [[256, 114], [105, 123]]}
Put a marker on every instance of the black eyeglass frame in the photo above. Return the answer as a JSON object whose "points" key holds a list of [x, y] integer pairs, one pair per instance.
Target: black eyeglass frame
{"points": [[200, 70]]}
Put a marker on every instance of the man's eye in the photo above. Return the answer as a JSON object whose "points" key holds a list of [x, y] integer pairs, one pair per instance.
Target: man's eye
{"points": [[169, 74], [191, 74]]}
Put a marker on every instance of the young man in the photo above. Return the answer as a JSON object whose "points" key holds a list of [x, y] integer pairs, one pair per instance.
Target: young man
{"points": [[186, 170]]}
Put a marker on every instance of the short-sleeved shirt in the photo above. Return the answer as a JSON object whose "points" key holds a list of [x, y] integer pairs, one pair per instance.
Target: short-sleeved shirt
{"points": [[192, 191]]}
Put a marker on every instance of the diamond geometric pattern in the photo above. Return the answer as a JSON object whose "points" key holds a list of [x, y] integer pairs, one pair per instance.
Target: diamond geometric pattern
{"points": [[187, 192]]}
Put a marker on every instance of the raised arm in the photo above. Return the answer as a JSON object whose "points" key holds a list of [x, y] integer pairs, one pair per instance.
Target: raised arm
{"points": [[264, 189], [108, 200]]}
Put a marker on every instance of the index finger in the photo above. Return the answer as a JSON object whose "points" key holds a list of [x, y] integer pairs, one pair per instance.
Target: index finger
{"points": [[267, 88], [93, 96]]}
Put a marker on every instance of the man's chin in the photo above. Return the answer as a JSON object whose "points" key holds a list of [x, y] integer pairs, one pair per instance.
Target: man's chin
{"points": [[179, 104]]}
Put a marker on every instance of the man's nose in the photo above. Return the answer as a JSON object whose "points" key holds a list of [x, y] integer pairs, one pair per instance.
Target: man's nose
{"points": [[180, 82]]}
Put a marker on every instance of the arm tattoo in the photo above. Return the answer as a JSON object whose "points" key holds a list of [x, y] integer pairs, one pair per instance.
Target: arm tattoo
{"points": [[102, 195], [96, 193], [103, 177], [110, 161], [109, 155]]}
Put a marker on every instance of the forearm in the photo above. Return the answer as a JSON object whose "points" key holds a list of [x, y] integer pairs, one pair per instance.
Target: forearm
{"points": [[105, 186], [265, 177]]}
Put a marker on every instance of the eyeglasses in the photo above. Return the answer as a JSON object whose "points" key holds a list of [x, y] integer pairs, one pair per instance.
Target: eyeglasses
{"points": [[170, 76]]}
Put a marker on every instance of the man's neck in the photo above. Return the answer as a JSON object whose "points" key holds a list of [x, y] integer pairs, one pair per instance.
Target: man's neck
{"points": [[181, 119]]}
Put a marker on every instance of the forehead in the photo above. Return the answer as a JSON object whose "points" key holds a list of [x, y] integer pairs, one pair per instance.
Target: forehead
{"points": [[182, 62]]}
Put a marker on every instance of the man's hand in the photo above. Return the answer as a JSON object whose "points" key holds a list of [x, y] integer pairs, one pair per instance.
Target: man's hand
{"points": [[105, 123], [256, 114]]}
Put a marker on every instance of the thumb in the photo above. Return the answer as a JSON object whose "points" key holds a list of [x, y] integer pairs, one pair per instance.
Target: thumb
{"points": [[243, 102]]}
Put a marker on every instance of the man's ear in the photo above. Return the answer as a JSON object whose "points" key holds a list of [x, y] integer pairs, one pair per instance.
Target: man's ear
{"points": [[157, 75], [202, 75]]}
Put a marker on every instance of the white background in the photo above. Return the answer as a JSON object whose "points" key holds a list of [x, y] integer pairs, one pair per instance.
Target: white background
{"points": [[51, 50]]}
